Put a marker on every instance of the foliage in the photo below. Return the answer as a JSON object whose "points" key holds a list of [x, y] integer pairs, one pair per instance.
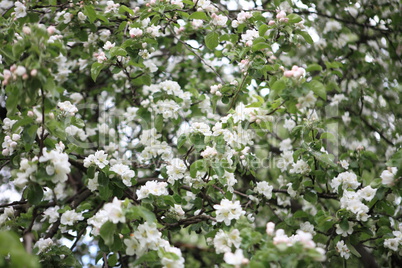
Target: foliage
{"points": [[172, 133]]}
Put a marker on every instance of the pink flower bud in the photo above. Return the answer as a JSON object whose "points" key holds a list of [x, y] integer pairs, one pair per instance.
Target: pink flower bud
{"points": [[25, 76], [51, 30], [34, 72], [6, 152], [26, 30], [281, 15], [271, 22], [30, 114], [270, 228], [288, 74]]}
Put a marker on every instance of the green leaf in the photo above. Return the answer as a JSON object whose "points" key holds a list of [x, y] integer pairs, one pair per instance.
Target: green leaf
{"points": [[294, 18], [124, 8], [198, 141], [90, 12], [159, 123], [12, 249], [96, 69], [311, 196], [199, 15], [353, 250], [144, 213], [262, 29], [219, 170], [34, 193], [318, 88], [196, 166], [181, 140], [344, 224], [279, 85], [112, 260], [107, 232], [314, 68], [260, 46], [306, 36], [11, 103], [117, 51], [212, 40]]}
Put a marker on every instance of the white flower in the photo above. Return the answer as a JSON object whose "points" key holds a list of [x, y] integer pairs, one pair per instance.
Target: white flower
{"points": [[99, 159], [70, 217], [285, 161], [367, 193], [224, 241], [81, 16], [114, 211], [125, 172], [93, 184], [344, 164], [197, 23], [154, 30], [300, 167], [167, 108], [347, 179], [307, 101], [108, 45], [392, 243], [133, 247], [148, 236], [343, 232], [228, 211], [342, 249], [387, 176], [51, 214], [307, 227], [59, 165], [249, 36], [111, 7], [43, 244], [235, 259], [76, 97], [270, 228], [219, 20], [176, 170], [20, 10], [264, 188], [243, 16], [285, 145], [67, 107], [152, 187], [209, 152], [202, 128], [177, 211], [135, 32], [332, 26], [289, 124], [20, 71]]}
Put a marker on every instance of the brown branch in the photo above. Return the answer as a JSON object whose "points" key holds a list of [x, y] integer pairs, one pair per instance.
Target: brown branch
{"points": [[190, 220]]}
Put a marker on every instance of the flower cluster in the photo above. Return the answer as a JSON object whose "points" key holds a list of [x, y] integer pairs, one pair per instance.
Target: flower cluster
{"points": [[228, 210]]}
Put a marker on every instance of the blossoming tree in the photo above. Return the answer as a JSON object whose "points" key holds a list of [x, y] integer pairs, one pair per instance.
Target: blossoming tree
{"points": [[172, 133]]}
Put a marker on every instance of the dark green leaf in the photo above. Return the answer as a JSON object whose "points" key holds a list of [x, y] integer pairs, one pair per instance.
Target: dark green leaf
{"points": [[90, 12], [34, 193], [96, 69], [212, 40], [198, 15], [117, 51], [107, 232]]}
